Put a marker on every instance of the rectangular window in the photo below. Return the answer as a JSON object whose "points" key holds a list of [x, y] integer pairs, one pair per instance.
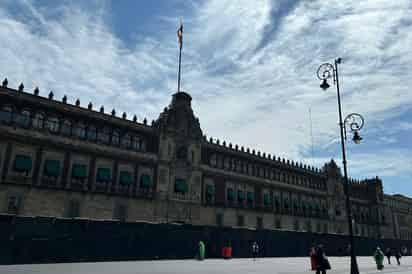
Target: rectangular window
{"points": [[250, 198], [259, 223], [125, 178], [120, 213], [13, 205], [277, 203], [52, 168], [219, 219], [295, 206], [240, 196], [337, 212], [277, 223], [308, 226], [318, 228], [240, 220], [210, 193], [325, 228], [22, 163], [286, 203], [73, 209], [146, 181], [103, 175], [79, 171], [181, 186], [266, 199], [296, 225], [230, 194]]}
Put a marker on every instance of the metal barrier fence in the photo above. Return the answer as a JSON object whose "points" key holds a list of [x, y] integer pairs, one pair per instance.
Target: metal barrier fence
{"points": [[51, 240]]}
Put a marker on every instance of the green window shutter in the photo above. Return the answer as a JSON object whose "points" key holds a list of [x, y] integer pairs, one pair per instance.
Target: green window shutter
{"points": [[103, 174], [52, 168], [22, 163], [145, 181], [230, 194], [125, 178], [250, 197], [210, 190], [79, 171], [266, 199], [240, 195], [181, 186]]}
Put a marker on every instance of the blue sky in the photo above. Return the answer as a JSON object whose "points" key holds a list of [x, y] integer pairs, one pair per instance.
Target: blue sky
{"points": [[249, 65]]}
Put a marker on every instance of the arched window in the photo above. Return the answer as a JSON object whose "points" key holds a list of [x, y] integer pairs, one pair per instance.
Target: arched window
{"points": [[6, 114], [115, 138], [80, 131], [23, 118], [91, 133], [66, 128], [38, 121], [52, 124], [126, 141]]}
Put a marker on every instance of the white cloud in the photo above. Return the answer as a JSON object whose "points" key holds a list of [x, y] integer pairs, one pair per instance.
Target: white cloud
{"points": [[250, 67]]}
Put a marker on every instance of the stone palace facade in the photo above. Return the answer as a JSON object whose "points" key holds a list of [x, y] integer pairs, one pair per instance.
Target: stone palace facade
{"points": [[62, 160]]}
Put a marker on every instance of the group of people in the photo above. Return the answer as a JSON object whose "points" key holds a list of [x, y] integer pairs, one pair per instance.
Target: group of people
{"points": [[201, 250], [379, 257], [318, 259]]}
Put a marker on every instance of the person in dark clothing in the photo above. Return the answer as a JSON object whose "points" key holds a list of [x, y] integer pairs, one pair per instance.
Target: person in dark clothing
{"points": [[398, 257], [255, 250], [388, 255], [322, 263]]}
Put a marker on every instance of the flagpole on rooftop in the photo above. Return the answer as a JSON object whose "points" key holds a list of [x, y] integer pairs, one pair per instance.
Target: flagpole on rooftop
{"points": [[180, 39]]}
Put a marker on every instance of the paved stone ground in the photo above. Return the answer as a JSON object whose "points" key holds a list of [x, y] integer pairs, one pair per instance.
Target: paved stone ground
{"points": [[340, 265]]}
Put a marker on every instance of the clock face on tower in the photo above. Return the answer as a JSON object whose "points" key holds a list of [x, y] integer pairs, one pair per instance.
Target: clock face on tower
{"points": [[181, 153]]}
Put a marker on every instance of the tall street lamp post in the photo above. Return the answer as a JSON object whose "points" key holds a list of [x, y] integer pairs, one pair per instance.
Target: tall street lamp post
{"points": [[355, 123]]}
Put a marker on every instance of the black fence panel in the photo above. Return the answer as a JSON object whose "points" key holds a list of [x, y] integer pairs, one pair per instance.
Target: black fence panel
{"points": [[52, 240]]}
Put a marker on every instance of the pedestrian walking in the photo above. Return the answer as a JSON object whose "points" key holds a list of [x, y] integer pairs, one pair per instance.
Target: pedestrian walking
{"points": [[201, 250], [378, 256], [312, 254], [388, 255], [398, 256], [322, 262], [255, 250]]}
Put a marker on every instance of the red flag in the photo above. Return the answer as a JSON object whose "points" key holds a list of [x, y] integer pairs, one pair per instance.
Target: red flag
{"points": [[180, 34]]}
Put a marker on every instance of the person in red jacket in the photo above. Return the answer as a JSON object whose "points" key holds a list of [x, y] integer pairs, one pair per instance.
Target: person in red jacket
{"points": [[312, 254]]}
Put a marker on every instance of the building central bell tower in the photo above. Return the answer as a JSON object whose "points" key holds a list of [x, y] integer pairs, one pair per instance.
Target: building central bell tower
{"points": [[179, 175]]}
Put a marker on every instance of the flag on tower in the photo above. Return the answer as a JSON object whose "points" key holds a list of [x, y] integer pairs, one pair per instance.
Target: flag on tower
{"points": [[180, 35]]}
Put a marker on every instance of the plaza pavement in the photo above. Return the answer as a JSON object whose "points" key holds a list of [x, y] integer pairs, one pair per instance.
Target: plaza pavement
{"points": [[340, 265]]}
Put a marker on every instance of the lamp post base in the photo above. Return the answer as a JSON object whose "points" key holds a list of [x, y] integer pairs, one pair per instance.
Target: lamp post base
{"points": [[353, 266]]}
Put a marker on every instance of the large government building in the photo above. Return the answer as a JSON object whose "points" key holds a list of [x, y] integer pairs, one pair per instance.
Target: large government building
{"points": [[62, 160]]}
